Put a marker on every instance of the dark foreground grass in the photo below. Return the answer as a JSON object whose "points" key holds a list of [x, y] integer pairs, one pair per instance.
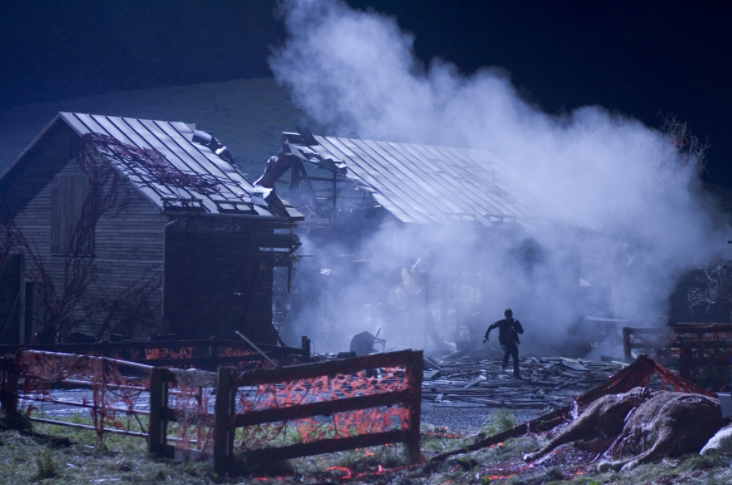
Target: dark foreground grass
{"points": [[54, 455]]}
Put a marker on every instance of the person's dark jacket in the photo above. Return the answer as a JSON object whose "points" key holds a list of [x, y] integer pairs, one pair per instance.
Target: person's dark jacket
{"points": [[508, 331]]}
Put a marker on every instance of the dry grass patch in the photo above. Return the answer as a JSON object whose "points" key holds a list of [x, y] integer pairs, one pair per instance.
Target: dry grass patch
{"points": [[73, 456]]}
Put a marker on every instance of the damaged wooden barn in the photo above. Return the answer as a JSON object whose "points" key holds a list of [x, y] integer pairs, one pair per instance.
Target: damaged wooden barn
{"points": [[136, 228], [429, 243]]}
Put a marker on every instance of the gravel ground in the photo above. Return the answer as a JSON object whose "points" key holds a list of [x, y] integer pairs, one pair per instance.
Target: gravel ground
{"points": [[456, 416], [459, 416]]}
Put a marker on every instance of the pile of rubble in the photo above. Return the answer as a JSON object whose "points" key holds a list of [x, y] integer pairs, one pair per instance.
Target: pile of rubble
{"points": [[547, 382]]}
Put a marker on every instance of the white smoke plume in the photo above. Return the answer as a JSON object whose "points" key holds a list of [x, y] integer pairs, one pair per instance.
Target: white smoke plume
{"points": [[355, 74]]}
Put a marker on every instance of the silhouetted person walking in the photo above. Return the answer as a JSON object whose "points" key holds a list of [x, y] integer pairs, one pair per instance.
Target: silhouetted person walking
{"points": [[508, 330]]}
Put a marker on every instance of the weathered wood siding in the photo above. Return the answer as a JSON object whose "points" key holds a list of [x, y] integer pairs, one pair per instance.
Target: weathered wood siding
{"points": [[127, 247]]}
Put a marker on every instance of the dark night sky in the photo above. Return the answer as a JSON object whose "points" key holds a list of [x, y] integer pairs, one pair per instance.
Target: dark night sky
{"points": [[638, 58]]}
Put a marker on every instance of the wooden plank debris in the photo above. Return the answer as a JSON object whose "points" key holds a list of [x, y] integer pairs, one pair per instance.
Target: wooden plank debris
{"points": [[548, 382], [432, 374]]}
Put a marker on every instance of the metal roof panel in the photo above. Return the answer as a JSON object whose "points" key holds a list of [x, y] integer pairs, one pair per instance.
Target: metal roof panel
{"points": [[426, 183], [387, 188], [173, 140], [426, 195]]}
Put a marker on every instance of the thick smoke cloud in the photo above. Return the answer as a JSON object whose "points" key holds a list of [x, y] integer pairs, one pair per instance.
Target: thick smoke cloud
{"points": [[355, 74]]}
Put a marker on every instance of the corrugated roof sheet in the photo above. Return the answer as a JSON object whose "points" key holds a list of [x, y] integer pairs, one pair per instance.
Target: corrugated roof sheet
{"points": [[174, 140], [423, 184]]}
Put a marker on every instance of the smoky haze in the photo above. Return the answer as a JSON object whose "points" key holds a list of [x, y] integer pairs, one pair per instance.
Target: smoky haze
{"points": [[633, 191]]}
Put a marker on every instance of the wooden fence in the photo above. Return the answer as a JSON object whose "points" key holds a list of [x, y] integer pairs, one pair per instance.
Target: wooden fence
{"points": [[29, 376], [401, 387], [227, 420]]}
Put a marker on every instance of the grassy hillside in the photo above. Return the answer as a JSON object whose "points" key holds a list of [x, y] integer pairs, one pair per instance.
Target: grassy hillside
{"points": [[246, 115]]}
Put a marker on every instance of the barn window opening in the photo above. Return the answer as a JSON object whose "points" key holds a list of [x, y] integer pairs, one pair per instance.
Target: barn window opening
{"points": [[70, 234]]}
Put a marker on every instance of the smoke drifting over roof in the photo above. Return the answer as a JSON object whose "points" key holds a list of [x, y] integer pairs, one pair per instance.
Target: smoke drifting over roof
{"points": [[354, 72]]}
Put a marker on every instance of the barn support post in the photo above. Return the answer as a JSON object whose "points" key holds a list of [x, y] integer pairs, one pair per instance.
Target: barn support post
{"points": [[686, 362], [305, 344], [444, 297], [335, 198], [158, 427], [223, 433], [414, 377], [426, 309]]}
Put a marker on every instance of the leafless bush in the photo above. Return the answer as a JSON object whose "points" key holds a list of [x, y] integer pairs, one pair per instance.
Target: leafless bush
{"points": [[716, 286]]}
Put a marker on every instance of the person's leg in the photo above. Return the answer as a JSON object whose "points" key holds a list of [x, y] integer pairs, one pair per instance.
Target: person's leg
{"points": [[506, 353], [514, 356]]}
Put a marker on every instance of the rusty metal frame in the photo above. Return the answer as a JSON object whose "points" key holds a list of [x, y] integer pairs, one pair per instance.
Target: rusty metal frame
{"points": [[204, 354], [703, 352]]}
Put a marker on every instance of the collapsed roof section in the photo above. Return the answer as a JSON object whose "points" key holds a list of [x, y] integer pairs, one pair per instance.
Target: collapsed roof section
{"points": [[176, 166], [414, 183]]}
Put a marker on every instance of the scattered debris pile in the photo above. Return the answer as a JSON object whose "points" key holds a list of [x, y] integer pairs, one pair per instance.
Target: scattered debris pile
{"points": [[548, 381]]}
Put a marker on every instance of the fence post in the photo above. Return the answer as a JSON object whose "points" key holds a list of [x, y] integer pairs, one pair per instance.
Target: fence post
{"points": [[626, 343], [223, 433], [686, 363], [213, 353], [414, 377], [157, 432]]}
